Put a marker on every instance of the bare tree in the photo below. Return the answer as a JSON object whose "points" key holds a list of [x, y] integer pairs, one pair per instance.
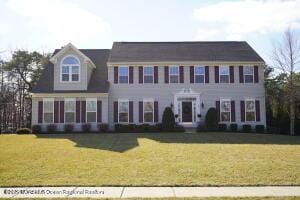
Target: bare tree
{"points": [[286, 57]]}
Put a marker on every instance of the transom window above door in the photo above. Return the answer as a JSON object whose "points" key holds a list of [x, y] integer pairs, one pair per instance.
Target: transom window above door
{"points": [[70, 69], [148, 74], [224, 74], [174, 74], [199, 74]]}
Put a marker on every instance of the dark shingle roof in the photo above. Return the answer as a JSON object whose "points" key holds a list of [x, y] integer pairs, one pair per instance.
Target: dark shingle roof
{"points": [[182, 51], [98, 82]]}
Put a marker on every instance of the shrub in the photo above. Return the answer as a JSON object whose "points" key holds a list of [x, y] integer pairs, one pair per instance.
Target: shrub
{"points": [[273, 130], [179, 128], [86, 128], [222, 127], [51, 128], [69, 128], [123, 128], [36, 129], [201, 128], [211, 120], [246, 128], [233, 127], [23, 131], [259, 128], [103, 128], [168, 120]]}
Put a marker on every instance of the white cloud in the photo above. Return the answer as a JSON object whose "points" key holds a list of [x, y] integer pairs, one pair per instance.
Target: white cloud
{"points": [[234, 20], [53, 23]]}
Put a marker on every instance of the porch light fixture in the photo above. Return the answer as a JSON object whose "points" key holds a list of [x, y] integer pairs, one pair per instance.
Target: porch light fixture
{"points": [[171, 105], [202, 105], [199, 115]]}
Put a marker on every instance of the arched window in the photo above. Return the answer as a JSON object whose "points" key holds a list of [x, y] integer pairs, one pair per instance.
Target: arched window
{"points": [[70, 69]]}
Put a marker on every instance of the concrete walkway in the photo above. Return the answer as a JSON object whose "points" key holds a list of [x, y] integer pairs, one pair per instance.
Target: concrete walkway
{"points": [[150, 192]]}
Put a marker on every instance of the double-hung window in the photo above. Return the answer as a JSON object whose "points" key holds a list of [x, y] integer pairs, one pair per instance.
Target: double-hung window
{"points": [[249, 74], [199, 74], [225, 110], [148, 111], [69, 110], [174, 74], [70, 69], [91, 110], [250, 110], [123, 111], [123, 74], [148, 74], [48, 110], [224, 74]]}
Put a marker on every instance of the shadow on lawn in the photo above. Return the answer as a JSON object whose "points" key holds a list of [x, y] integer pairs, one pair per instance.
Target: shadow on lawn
{"points": [[121, 142]]}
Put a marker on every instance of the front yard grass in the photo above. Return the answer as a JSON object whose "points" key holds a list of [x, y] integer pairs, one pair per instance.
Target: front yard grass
{"points": [[152, 159]]}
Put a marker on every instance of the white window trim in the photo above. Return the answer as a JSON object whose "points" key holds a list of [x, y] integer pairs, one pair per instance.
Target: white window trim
{"points": [[144, 101], [246, 110], [86, 111], [244, 74], [48, 100], [178, 76], [199, 74], [70, 69], [119, 101], [65, 100], [148, 75], [224, 99], [224, 74], [123, 66]]}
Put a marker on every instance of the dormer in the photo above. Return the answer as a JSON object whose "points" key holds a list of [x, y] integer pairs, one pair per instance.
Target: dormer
{"points": [[72, 69]]}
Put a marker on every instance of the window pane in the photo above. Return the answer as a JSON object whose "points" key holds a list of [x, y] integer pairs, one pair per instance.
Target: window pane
{"points": [[199, 70], [148, 117], [70, 117], [70, 106], [174, 70], [224, 79], [250, 116], [123, 79], [91, 116], [148, 79], [199, 79], [123, 71], [70, 60], [224, 70], [48, 117], [75, 69], [225, 106], [248, 70], [123, 107], [48, 106], [225, 116], [75, 77], [91, 106], [174, 79], [65, 77], [148, 106], [148, 71], [248, 78], [123, 117], [249, 105], [65, 69]]}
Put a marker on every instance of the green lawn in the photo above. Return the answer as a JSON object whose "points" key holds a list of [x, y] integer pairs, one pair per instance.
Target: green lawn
{"points": [[149, 159]]}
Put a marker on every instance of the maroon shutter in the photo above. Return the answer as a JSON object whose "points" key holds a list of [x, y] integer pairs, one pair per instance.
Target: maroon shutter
{"points": [[218, 110], [40, 112], [155, 74], [231, 74], [130, 111], [141, 74], [242, 111], [155, 111], [206, 74], [56, 111], [83, 111], [77, 111], [216, 74], [192, 74], [257, 110], [62, 111], [131, 75], [181, 74], [255, 74], [241, 74], [141, 112], [99, 111], [116, 76], [166, 74], [116, 112], [232, 111]]}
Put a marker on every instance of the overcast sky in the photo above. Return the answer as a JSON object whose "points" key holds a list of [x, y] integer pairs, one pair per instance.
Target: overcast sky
{"points": [[48, 24]]}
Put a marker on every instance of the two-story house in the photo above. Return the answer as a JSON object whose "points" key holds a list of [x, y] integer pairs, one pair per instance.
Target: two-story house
{"points": [[135, 81]]}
